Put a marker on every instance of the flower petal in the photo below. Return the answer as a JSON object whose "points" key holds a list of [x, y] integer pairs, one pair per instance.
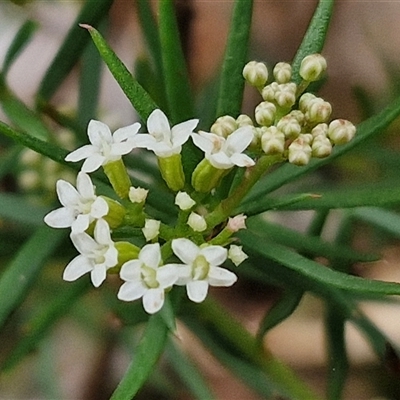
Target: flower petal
{"points": [[130, 271], [185, 249], [98, 133], [157, 124], [215, 255], [111, 257], [221, 277], [102, 232], [153, 300], [130, 291], [79, 266], [126, 133], [120, 149], [203, 142], [83, 152], [84, 243], [150, 255], [197, 290], [180, 133], [239, 140], [60, 218], [242, 160], [80, 224], [220, 160], [85, 186], [167, 275], [99, 208], [67, 194], [98, 275], [93, 162]]}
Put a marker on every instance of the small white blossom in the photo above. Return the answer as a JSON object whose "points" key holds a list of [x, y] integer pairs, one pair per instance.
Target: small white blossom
{"points": [[81, 205], [201, 268], [184, 201], [197, 222], [137, 195], [105, 147], [236, 254], [145, 278], [151, 229], [98, 254], [237, 223], [163, 140], [225, 153]]}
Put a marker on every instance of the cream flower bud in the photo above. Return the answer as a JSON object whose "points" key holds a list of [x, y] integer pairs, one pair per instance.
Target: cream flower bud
{"points": [[243, 120], [237, 222], [255, 73], [265, 113], [321, 147], [289, 126], [318, 111], [282, 72], [285, 96], [299, 152], [268, 92], [137, 195], [151, 229], [273, 141], [197, 222], [298, 115], [184, 201], [305, 100], [320, 130], [312, 67], [224, 126], [341, 131], [236, 254], [307, 138]]}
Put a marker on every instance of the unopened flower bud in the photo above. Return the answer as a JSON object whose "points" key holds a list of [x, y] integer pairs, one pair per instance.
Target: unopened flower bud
{"points": [[184, 201], [320, 130], [282, 72], [151, 229], [268, 92], [285, 96], [236, 254], [273, 141], [244, 120], [197, 222], [224, 126], [341, 131], [237, 223], [299, 152], [318, 111], [305, 100], [298, 115], [255, 73], [289, 126], [321, 147], [137, 195], [312, 67], [306, 138], [265, 113]]}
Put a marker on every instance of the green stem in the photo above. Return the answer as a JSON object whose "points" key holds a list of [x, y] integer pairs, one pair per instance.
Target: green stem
{"points": [[252, 175], [223, 324]]}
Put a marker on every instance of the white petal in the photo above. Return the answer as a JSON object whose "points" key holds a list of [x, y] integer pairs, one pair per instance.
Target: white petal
{"points": [[85, 186], [150, 255], [102, 232], [130, 271], [98, 133], [239, 140], [164, 150], [157, 123], [93, 162], [99, 208], [98, 275], [79, 266], [185, 249], [83, 152], [180, 133], [215, 255], [67, 194], [203, 143], [185, 274], [220, 160], [84, 243], [167, 275], [111, 257], [242, 160], [126, 133], [80, 224], [153, 300], [221, 277], [145, 141], [120, 149], [197, 290], [60, 218], [130, 291]]}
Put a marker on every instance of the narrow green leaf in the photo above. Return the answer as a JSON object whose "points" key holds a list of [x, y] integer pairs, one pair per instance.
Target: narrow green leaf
{"points": [[232, 82], [147, 353], [93, 11], [288, 172], [139, 98], [188, 372], [179, 92], [282, 309], [21, 39], [314, 39], [254, 244], [43, 320], [17, 208], [22, 272]]}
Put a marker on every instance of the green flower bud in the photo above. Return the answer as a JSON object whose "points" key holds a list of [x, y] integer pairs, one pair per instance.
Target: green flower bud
{"points": [[126, 251], [206, 177], [312, 67], [282, 72], [172, 171], [255, 73], [265, 113], [116, 212], [341, 131]]}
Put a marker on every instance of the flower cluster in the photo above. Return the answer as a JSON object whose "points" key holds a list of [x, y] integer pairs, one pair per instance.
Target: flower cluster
{"points": [[192, 251]]}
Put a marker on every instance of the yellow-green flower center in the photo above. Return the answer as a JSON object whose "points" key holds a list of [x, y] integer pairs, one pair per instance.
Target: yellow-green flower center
{"points": [[200, 268], [149, 277]]}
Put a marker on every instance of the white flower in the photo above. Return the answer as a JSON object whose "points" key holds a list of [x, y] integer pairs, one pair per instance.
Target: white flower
{"points": [[151, 229], [98, 254], [237, 223], [81, 205], [145, 278], [137, 195], [162, 139], [197, 222], [201, 268], [236, 254], [225, 153], [105, 147], [184, 201]]}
